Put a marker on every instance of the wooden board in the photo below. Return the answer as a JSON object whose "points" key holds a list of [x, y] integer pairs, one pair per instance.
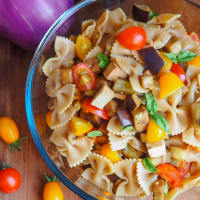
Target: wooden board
{"points": [[14, 64]]}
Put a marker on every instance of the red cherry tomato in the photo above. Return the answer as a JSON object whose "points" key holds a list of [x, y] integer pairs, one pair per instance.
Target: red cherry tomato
{"points": [[87, 107], [83, 77], [178, 70], [195, 37], [133, 38], [170, 174], [10, 180], [184, 168]]}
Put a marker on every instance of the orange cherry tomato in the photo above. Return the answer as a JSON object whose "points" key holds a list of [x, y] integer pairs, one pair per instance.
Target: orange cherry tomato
{"points": [[10, 180], [9, 131], [178, 70], [83, 77], [170, 174], [184, 168], [87, 107], [133, 38]]}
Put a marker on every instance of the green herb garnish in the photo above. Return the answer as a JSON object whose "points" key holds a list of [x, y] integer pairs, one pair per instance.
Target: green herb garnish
{"points": [[103, 60], [94, 133], [152, 14], [166, 188], [17, 144], [198, 133], [151, 104], [149, 165], [182, 57], [129, 128]]}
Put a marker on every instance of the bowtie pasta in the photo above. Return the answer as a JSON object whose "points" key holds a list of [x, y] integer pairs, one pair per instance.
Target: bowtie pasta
{"points": [[125, 102]]}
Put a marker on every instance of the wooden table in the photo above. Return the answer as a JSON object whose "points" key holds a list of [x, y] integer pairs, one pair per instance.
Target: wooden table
{"points": [[14, 64]]}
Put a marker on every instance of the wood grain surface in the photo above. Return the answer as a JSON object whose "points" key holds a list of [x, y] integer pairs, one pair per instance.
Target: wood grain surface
{"points": [[14, 64]]}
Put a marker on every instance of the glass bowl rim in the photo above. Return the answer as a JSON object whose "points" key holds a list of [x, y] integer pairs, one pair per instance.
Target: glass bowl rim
{"points": [[28, 102]]}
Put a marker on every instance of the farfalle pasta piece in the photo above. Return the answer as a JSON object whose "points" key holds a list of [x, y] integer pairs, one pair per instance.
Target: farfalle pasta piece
{"points": [[191, 73], [88, 27], [91, 57], [137, 57], [134, 78], [188, 44], [65, 53], [137, 144], [101, 167], [177, 117], [189, 137], [177, 29], [60, 119], [114, 126], [64, 97], [164, 18], [100, 27], [75, 149], [116, 18], [145, 178], [126, 170]]}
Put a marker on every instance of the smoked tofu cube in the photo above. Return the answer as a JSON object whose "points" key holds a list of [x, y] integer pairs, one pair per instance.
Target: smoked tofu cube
{"points": [[156, 149], [113, 72], [141, 119], [133, 102], [103, 96], [111, 108]]}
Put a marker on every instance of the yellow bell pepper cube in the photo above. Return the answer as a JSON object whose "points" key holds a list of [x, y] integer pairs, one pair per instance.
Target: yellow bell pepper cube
{"points": [[167, 66], [80, 126], [195, 61], [154, 132], [169, 83], [107, 152]]}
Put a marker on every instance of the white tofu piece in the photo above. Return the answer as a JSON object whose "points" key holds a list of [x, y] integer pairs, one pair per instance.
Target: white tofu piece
{"points": [[156, 149], [103, 96]]}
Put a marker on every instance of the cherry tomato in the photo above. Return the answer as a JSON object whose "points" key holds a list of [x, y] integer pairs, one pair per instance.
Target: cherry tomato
{"points": [[9, 132], [10, 180], [184, 168], [52, 191], [178, 70], [170, 174], [87, 107], [195, 37], [133, 38], [83, 77]]}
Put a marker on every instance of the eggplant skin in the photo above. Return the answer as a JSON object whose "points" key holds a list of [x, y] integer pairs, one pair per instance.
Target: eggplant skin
{"points": [[152, 59], [140, 14], [125, 117]]}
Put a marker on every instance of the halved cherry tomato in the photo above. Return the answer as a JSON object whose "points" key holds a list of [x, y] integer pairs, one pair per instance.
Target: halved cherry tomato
{"points": [[87, 107], [133, 38], [184, 168], [179, 71], [170, 174], [195, 37], [83, 77], [10, 180]]}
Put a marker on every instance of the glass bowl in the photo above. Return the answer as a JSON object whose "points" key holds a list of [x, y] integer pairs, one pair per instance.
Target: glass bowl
{"points": [[36, 100]]}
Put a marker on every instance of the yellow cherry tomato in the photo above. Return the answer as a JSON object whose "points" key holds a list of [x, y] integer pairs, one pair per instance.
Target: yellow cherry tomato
{"points": [[80, 126], [48, 118], [168, 64], [9, 131], [154, 132], [169, 83], [83, 46], [195, 61], [52, 191], [107, 152]]}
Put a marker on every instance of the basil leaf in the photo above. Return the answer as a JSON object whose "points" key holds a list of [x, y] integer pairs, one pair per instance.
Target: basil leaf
{"points": [[161, 121], [185, 56], [129, 128], [172, 57], [198, 133], [94, 134], [149, 165], [151, 104], [152, 14], [103, 60], [166, 188]]}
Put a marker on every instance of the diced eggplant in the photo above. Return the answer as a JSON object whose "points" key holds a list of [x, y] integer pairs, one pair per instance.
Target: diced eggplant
{"points": [[130, 152], [195, 111], [123, 87], [132, 102], [141, 13], [152, 59], [125, 117]]}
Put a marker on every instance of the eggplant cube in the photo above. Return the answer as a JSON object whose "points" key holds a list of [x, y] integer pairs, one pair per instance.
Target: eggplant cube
{"points": [[125, 117], [133, 102]]}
